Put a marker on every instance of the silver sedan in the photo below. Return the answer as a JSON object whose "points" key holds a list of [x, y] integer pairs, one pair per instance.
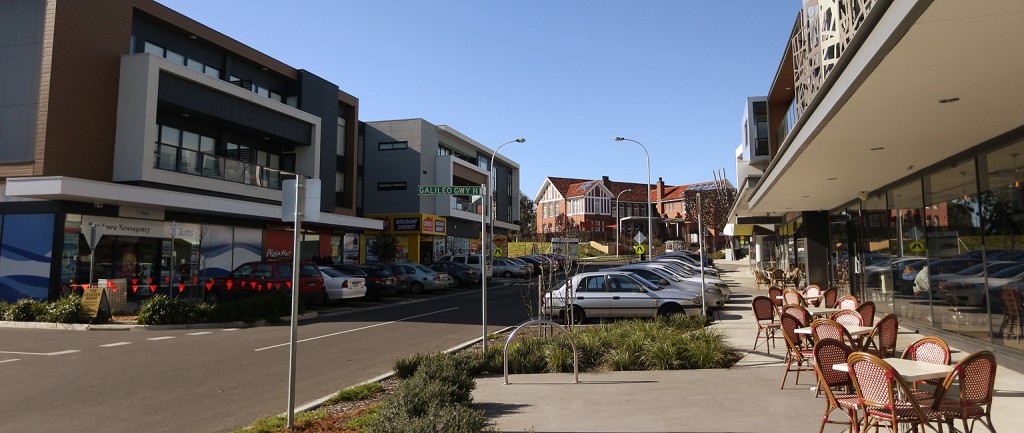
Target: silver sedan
{"points": [[617, 294]]}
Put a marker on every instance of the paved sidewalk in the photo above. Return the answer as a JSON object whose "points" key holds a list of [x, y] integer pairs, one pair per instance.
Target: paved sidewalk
{"points": [[744, 398]]}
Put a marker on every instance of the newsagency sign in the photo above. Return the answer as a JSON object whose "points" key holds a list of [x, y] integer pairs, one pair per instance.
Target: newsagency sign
{"points": [[447, 190]]}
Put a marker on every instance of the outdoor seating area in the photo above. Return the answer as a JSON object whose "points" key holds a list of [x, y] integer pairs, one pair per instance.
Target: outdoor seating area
{"points": [[860, 373]]}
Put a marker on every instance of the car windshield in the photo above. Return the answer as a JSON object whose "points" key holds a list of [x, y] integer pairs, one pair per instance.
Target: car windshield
{"points": [[331, 272], [1010, 272], [647, 284]]}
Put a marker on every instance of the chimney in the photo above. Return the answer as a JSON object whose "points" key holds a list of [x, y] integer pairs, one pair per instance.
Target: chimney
{"points": [[660, 194], [607, 183]]}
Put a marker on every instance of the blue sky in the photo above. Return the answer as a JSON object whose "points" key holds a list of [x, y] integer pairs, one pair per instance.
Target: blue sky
{"points": [[567, 75]]}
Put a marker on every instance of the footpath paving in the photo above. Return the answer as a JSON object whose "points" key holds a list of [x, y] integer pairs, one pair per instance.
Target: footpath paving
{"points": [[744, 398]]}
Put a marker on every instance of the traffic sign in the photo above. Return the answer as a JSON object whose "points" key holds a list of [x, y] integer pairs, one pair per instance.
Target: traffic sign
{"points": [[639, 249], [916, 246], [500, 241], [498, 252], [639, 238], [447, 190]]}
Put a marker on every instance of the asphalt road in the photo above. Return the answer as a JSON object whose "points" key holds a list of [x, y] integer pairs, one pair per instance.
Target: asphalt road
{"points": [[214, 380]]}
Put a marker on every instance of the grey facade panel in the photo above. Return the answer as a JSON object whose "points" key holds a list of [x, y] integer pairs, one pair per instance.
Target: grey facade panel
{"points": [[318, 97], [21, 36], [391, 166]]}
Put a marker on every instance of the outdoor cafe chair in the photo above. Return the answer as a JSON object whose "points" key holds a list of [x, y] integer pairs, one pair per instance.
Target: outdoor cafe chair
{"points": [[812, 294], [774, 293], [800, 313], [828, 328], [764, 314], [761, 279], [796, 351], [778, 278], [867, 312], [848, 302], [885, 332], [976, 376], [848, 318], [886, 397], [932, 350], [827, 353], [792, 296], [828, 297]]}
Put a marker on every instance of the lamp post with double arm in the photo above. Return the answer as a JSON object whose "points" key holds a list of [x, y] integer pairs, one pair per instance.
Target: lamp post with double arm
{"points": [[485, 244], [618, 220], [650, 225]]}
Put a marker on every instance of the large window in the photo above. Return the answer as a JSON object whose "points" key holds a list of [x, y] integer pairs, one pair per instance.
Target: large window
{"points": [[188, 152], [393, 145]]}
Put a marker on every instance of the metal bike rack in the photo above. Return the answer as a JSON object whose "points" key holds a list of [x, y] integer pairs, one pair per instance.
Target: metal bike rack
{"points": [[575, 355]]}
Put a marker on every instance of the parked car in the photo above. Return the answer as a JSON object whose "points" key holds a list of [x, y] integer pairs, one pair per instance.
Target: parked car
{"points": [[540, 265], [416, 278], [972, 291], [937, 282], [463, 275], [922, 279], [713, 296], [379, 280], [262, 277], [616, 294], [507, 268], [473, 260], [708, 280], [340, 286]]}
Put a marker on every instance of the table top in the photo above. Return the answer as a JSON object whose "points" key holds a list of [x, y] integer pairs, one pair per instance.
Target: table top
{"points": [[854, 330], [817, 311], [802, 295], [910, 370]]}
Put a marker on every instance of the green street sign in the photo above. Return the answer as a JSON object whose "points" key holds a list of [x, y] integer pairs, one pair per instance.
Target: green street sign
{"points": [[447, 190]]}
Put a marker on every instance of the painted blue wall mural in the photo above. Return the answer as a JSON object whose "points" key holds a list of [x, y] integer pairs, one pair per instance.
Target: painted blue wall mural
{"points": [[26, 253]]}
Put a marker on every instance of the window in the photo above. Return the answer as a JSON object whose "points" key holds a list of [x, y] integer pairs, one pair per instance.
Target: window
{"points": [[443, 151], [393, 145], [622, 283], [391, 186], [591, 284]]}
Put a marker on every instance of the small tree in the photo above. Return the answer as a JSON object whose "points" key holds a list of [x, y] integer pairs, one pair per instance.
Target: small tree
{"points": [[386, 248]]}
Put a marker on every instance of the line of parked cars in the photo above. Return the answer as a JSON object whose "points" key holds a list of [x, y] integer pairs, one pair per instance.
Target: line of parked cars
{"points": [[669, 284]]}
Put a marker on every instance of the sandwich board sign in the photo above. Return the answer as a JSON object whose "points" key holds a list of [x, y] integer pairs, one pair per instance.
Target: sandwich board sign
{"points": [[94, 302]]}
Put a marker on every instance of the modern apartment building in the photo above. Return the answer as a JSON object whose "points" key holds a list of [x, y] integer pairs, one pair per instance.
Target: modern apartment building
{"points": [[895, 131], [400, 155], [138, 144]]}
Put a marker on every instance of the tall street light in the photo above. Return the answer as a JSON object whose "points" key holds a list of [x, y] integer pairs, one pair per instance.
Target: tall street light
{"points": [[618, 220], [650, 225], [485, 244]]}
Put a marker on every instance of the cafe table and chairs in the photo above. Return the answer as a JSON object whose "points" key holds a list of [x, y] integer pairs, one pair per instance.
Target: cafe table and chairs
{"points": [[793, 296], [812, 295], [828, 297], [799, 312], [767, 325], [881, 386], [797, 351], [867, 312], [854, 330], [848, 302], [974, 378], [837, 385], [928, 349], [885, 333], [822, 311]]}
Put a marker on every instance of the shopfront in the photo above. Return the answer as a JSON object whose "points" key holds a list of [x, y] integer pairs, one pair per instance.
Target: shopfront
{"points": [[421, 237]]}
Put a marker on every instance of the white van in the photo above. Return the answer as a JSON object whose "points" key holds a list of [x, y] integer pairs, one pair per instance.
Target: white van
{"points": [[472, 260]]}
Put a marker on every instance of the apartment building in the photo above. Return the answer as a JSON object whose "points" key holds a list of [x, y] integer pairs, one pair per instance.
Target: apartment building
{"points": [[138, 144], [400, 155], [895, 130]]}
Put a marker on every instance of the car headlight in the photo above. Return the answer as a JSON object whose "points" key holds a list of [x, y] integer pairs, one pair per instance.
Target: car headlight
{"points": [[713, 290], [695, 301]]}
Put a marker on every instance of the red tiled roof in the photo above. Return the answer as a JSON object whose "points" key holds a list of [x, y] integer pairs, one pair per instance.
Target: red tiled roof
{"points": [[571, 187]]}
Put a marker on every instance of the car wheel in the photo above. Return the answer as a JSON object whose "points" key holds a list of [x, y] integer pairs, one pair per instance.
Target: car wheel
{"points": [[578, 316], [670, 310], [416, 287], [326, 299], [507, 274]]}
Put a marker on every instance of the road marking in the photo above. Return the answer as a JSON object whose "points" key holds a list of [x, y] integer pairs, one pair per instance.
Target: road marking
{"points": [[63, 352], [9, 360], [159, 338], [357, 329], [230, 329], [115, 344], [200, 333]]}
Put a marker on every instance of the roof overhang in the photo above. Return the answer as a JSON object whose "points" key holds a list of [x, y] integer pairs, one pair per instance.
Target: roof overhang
{"points": [[878, 118], [100, 193]]}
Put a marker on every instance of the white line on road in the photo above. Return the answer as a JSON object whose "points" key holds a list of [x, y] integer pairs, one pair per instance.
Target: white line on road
{"points": [[230, 329], [64, 352], [122, 343], [159, 338], [358, 329], [200, 333], [9, 360]]}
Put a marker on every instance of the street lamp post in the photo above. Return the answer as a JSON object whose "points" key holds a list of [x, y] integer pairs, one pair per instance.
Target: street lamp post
{"points": [[485, 244], [650, 225], [618, 220]]}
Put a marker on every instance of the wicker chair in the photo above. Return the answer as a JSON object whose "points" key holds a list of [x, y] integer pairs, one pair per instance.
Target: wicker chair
{"points": [[885, 332], [1011, 303], [800, 313], [764, 314], [932, 350], [828, 328], [827, 353], [812, 295], [828, 297], [773, 293], [848, 318], [976, 375], [848, 302], [792, 296], [778, 277], [867, 312], [887, 399], [796, 351], [761, 279]]}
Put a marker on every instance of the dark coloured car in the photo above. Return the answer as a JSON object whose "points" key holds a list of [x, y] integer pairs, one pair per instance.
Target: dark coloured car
{"points": [[379, 280], [463, 275], [263, 277]]}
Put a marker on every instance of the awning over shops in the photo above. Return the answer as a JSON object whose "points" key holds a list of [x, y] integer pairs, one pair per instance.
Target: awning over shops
{"points": [[100, 193], [746, 230]]}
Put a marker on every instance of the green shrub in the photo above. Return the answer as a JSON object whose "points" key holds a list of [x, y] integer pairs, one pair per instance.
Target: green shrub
{"points": [[406, 367], [63, 310], [25, 310], [421, 404], [451, 370], [705, 348], [559, 356], [368, 418], [164, 310], [4, 308], [527, 356], [356, 393]]}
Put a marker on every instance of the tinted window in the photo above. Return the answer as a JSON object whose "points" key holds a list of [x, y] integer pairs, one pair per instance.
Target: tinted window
{"points": [[409, 270], [263, 271], [331, 272], [1009, 272], [591, 284], [474, 260], [423, 269], [244, 271], [622, 283], [459, 259]]}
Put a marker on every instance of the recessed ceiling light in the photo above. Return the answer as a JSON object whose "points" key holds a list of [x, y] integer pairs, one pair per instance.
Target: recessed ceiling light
{"points": [[806, 196], [832, 178], [948, 100], [877, 148]]}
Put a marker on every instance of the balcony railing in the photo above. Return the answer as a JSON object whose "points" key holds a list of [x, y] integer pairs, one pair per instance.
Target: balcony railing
{"points": [[467, 204], [218, 167]]}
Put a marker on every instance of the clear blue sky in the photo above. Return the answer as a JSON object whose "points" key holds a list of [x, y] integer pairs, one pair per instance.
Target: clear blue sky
{"points": [[567, 75]]}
